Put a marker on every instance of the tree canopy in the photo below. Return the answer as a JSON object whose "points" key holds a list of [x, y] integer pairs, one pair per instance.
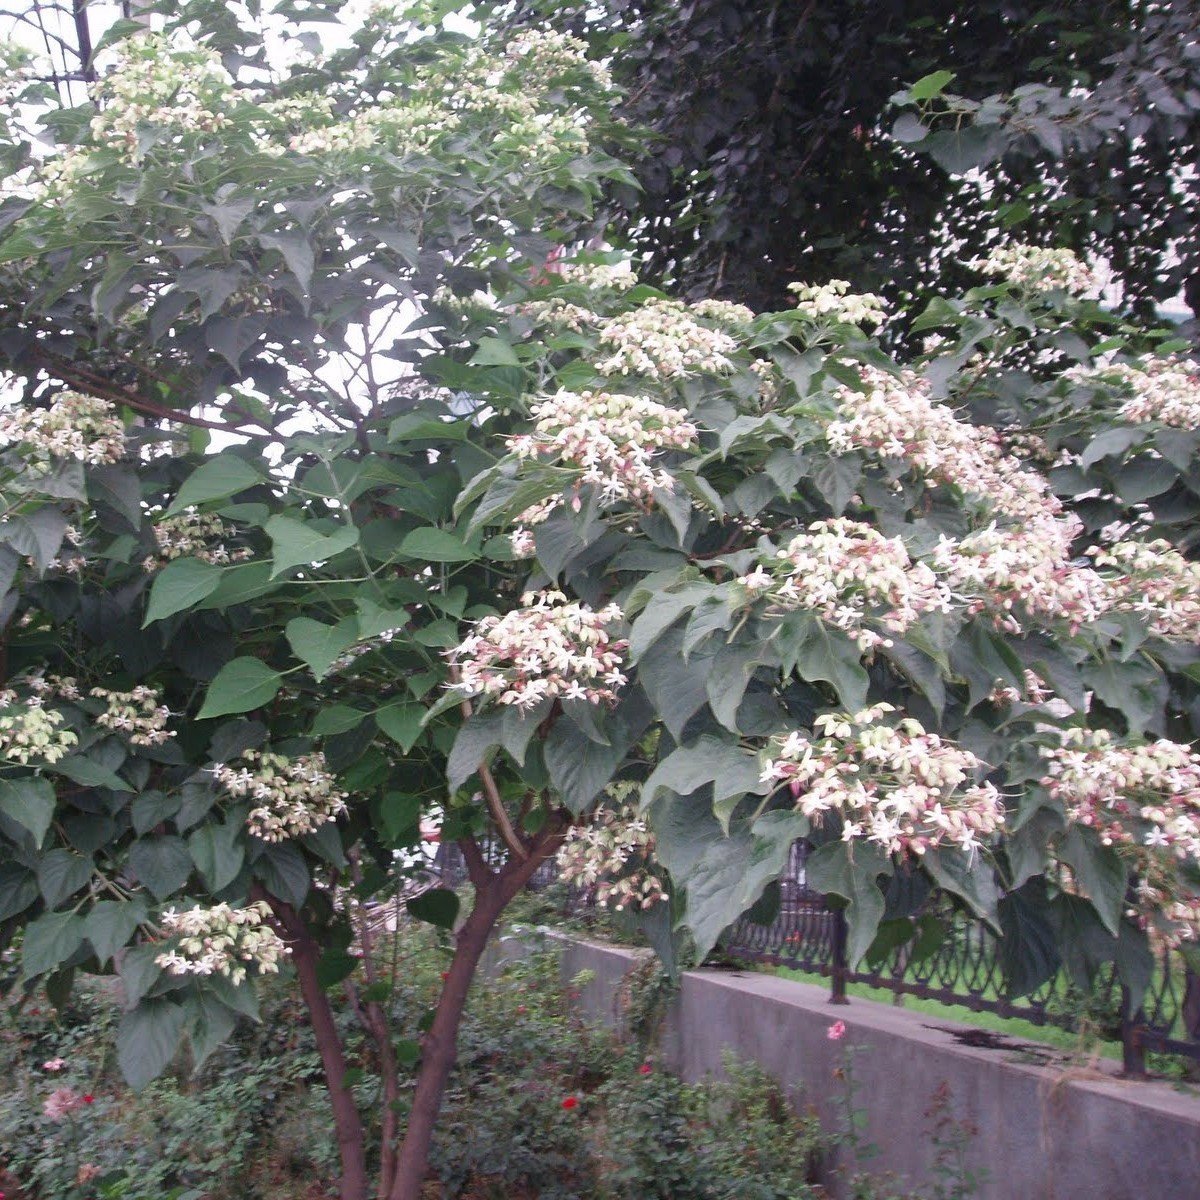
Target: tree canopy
{"points": [[345, 491], [776, 154]]}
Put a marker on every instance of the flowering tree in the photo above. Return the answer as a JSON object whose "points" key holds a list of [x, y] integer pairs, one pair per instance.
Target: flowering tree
{"points": [[339, 499]]}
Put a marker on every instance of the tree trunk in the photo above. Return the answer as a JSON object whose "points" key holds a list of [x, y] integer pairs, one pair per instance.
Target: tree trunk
{"points": [[346, 1120], [440, 1047]]}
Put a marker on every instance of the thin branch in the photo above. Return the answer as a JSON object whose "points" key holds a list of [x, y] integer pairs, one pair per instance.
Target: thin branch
{"points": [[94, 385], [491, 792]]}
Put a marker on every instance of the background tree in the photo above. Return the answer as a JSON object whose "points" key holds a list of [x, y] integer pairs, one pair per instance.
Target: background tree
{"points": [[775, 156]]}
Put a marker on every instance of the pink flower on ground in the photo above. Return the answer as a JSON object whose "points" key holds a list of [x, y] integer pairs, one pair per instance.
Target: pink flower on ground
{"points": [[645, 1069], [570, 1102], [836, 1031], [61, 1103], [54, 1064]]}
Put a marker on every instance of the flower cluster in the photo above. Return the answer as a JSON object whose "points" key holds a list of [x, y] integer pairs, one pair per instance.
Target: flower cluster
{"points": [[1155, 581], [895, 417], [222, 940], [551, 648], [62, 1102], [899, 787], [559, 314], [31, 732], [401, 128], [293, 796], [75, 426], [598, 277], [1038, 269], [610, 437], [1165, 390], [1035, 691], [612, 854], [193, 535], [139, 714], [849, 574], [1141, 794], [726, 313], [835, 302], [1007, 571], [662, 339], [546, 55], [155, 84]]}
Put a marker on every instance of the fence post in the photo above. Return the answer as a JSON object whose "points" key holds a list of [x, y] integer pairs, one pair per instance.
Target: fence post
{"points": [[1133, 1053], [838, 992]]}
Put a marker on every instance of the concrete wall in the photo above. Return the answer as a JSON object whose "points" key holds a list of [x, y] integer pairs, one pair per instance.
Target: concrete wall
{"points": [[1045, 1133]]}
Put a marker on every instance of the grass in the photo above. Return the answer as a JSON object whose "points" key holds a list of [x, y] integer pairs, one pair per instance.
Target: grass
{"points": [[1013, 1027]]}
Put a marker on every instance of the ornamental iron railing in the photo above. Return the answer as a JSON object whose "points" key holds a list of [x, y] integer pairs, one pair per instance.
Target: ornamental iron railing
{"points": [[959, 962]]}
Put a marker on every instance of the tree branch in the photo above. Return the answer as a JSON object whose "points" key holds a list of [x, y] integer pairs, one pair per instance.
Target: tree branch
{"points": [[491, 792]]}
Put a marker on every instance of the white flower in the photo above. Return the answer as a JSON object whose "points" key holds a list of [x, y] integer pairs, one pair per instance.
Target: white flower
{"points": [[295, 796], [549, 648], [1038, 269]]}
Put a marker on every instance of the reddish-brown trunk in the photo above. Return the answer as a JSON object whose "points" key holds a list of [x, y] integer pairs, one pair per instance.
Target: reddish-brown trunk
{"points": [[346, 1120], [440, 1047]]}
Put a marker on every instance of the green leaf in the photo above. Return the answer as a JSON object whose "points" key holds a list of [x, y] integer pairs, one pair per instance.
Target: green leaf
{"points": [[720, 877], [240, 685], [208, 1024], [110, 925], [222, 475], [88, 773], [139, 972], [317, 644], [931, 85], [401, 815], [816, 652], [492, 352], [580, 768], [218, 854], [373, 619], [147, 1040], [163, 864], [282, 869], [337, 718], [436, 545], [1083, 941], [29, 802], [1028, 950], [402, 723], [969, 876], [677, 686], [182, 583], [1100, 873], [437, 906], [18, 889], [61, 874], [297, 252], [851, 870], [909, 129], [335, 965], [1135, 962], [709, 759], [300, 544], [49, 941]]}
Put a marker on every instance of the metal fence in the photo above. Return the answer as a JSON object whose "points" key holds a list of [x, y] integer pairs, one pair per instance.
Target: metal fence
{"points": [[963, 969]]}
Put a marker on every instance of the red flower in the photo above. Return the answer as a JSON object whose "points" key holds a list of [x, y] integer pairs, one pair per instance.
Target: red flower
{"points": [[570, 1102], [645, 1069], [521, 1010], [88, 1098], [445, 976]]}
